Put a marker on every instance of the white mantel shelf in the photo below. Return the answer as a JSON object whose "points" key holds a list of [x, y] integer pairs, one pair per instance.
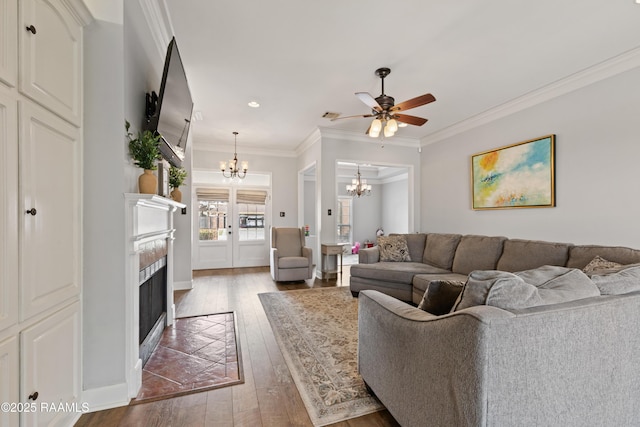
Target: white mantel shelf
{"points": [[148, 217]]}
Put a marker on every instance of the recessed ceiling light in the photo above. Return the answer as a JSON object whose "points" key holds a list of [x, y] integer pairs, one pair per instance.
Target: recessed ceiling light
{"points": [[253, 104]]}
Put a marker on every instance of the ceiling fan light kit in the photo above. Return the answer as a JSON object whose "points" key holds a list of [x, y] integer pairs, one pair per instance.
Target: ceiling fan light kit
{"points": [[386, 114]]}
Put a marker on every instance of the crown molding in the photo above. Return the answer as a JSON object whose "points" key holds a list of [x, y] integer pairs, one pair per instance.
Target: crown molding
{"points": [[360, 137], [157, 16], [609, 68], [309, 141]]}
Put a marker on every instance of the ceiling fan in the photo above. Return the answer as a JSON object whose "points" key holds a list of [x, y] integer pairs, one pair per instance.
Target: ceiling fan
{"points": [[386, 112]]}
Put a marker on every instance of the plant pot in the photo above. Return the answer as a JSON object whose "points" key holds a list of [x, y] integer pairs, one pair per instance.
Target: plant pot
{"points": [[176, 195], [147, 182]]}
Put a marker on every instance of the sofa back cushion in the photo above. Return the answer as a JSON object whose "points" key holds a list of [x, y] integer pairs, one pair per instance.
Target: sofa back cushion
{"points": [[477, 253], [519, 255], [581, 255], [541, 286], [440, 249], [415, 243]]}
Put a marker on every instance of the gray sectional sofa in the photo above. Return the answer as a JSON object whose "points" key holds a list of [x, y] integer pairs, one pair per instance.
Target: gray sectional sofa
{"points": [[438, 256], [556, 362]]}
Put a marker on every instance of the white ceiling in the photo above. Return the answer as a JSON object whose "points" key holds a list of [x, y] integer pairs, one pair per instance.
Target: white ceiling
{"points": [[300, 59]]}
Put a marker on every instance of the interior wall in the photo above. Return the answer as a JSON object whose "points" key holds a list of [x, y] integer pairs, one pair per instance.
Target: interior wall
{"points": [[284, 176], [309, 194], [103, 343], [367, 213], [395, 202], [597, 153], [370, 152]]}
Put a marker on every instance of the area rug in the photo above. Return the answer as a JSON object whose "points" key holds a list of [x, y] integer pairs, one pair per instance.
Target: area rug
{"points": [[317, 331], [195, 354]]}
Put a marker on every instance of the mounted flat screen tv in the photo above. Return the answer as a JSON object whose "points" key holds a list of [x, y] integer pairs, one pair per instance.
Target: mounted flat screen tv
{"points": [[169, 113]]}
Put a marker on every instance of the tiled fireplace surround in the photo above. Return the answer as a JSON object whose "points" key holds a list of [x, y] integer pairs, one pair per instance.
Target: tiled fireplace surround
{"points": [[149, 240]]}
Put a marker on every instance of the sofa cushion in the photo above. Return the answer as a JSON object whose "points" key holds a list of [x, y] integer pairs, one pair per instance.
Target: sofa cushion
{"points": [[440, 249], [541, 286], [293, 262], [580, 256], [421, 281], [619, 280], [393, 248], [415, 243], [440, 296], [599, 263], [400, 272], [477, 253], [519, 255]]}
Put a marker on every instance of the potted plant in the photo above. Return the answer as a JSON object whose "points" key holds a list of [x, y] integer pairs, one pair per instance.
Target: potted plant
{"points": [[145, 152], [176, 179]]}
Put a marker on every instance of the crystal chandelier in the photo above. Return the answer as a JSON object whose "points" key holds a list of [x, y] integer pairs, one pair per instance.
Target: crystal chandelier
{"points": [[234, 171], [358, 186]]}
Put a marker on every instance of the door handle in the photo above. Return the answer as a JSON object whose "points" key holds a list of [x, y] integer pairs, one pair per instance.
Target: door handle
{"points": [[230, 230]]}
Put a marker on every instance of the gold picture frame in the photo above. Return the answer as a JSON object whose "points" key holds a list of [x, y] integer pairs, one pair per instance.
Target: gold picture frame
{"points": [[520, 175]]}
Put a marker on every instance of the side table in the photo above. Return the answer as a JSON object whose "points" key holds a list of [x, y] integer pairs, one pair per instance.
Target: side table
{"points": [[329, 263]]}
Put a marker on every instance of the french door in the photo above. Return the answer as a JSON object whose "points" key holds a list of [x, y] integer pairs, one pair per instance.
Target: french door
{"points": [[232, 227]]}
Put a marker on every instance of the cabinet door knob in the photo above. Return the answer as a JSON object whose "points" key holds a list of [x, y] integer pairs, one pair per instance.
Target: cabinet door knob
{"points": [[33, 396], [31, 29], [32, 211]]}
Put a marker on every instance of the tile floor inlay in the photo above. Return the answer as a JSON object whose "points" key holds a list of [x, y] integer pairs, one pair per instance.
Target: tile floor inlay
{"points": [[195, 354]]}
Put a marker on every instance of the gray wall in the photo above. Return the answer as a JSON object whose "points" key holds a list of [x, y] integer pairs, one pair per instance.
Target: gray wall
{"points": [[597, 152], [103, 210], [395, 196]]}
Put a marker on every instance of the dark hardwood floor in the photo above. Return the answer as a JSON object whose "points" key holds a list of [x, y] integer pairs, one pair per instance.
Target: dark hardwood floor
{"points": [[268, 397]]}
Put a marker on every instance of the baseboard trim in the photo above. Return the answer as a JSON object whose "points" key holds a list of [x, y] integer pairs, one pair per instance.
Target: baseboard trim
{"points": [[183, 286], [108, 397]]}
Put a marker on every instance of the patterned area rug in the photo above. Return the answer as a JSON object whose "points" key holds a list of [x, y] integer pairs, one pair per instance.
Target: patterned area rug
{"points": [[317, 331]]}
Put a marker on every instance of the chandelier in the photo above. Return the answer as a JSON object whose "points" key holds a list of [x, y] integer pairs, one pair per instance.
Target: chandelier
{"points": [[234, 171], [358, 186]]}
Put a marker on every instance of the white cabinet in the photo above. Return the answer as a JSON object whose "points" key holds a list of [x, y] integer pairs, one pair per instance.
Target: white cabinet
{"points": [[50, 214], [8, 42], [8, 210], [49, 372], [51, 57], [9, 368]]}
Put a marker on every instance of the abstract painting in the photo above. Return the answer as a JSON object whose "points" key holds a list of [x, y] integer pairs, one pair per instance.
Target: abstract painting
{"points": [[521, 175]]}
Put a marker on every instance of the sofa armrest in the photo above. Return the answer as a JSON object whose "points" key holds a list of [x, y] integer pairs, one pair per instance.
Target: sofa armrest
{"points": [[307, 253], [369, 255], [402, 350]]}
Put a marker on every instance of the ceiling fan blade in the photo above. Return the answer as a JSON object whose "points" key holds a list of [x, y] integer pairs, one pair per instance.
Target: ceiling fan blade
{"points": [[369, 100], [414, 102], [410, 120], [352, 117]]}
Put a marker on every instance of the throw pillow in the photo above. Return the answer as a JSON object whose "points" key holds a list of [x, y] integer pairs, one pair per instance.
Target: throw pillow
{"points": [[440, 296], [599, 263], [616, 281], [512, 291], [393, 248]]}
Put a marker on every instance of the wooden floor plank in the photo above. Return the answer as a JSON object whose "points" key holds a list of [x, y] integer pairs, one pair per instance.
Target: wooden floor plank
{"points": [[268, 397]]}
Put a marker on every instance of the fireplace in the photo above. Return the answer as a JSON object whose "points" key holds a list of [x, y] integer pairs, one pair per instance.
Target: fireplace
{"points": [[152, 296], [149, 279]]}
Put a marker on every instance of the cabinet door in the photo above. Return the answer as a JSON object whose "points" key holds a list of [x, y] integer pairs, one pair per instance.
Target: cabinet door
{"points": [[50, 57], [9, 369], [50, 185], [8, 210], [8, 42], [51, 367]]}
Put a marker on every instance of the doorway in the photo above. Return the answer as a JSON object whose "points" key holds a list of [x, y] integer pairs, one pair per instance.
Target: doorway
{"points": [[231, 221]]}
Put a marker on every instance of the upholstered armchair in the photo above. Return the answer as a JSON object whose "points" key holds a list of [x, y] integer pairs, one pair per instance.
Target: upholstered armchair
{"points": [[290, 259]]}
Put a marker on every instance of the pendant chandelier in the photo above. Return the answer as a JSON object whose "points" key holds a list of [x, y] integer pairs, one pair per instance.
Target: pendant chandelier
{"points": [[234, 170], [358, 186]]}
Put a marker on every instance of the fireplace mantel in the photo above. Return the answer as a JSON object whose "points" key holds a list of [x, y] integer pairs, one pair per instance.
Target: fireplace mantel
{"points": [[148, 218]]}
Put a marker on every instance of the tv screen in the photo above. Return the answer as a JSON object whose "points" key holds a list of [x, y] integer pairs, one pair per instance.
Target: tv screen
{"points": [[171, 115]]}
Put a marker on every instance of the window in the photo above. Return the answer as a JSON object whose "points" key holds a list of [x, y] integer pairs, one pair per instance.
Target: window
{"points": [[344, 220], [250, 209], [213, 204], [212, 220]]}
